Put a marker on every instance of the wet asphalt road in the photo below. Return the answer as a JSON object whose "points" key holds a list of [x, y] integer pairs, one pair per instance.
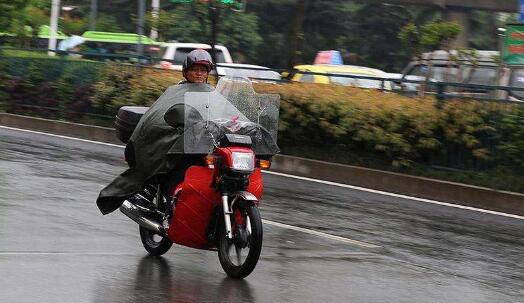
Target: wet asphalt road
{"points": [[56, 247]]}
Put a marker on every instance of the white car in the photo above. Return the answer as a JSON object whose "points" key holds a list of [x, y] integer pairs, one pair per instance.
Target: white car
{"points": [[401, 82], [175, 54], [255, 73]]}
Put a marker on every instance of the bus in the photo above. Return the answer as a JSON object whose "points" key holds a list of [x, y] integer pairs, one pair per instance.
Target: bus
{"points": [[117, 46], [40, 41]]}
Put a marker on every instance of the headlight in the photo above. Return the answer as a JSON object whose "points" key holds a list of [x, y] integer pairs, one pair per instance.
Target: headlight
{"points": [[243, 161]]}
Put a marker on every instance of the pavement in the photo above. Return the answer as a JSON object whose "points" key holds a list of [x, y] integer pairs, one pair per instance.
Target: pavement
{"points": [[321, 242]]}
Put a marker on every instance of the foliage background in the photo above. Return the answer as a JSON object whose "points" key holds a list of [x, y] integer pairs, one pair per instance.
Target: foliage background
{"points": [[366, 33]]}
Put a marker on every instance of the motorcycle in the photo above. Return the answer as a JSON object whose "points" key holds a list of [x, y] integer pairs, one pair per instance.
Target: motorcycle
{"points": [[215, 207]]}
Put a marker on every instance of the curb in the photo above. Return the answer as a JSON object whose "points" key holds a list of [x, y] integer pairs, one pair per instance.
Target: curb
{"points": [[443, 191], [88, 132]]}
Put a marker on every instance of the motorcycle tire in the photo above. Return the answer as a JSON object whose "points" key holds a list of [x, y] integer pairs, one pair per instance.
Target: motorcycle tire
{"points": [[155, 244], [243, 268]]}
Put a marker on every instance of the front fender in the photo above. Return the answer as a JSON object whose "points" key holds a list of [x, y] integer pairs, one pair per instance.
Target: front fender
{"points": [[246, 196]]}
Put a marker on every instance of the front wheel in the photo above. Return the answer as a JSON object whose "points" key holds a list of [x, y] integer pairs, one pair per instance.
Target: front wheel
{"points": [[239, 256]]}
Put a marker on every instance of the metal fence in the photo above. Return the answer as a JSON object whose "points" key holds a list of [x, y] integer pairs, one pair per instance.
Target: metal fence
{"points": [[441, 89]]}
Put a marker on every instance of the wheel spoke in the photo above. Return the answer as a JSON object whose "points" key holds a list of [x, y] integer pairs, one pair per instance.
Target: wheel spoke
{"points": [[248, 225], [230, 252], [239, 255]]}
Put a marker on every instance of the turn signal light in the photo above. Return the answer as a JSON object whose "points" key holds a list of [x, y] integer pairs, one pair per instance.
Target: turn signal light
{"points": [[265, 164], [210, 160]]}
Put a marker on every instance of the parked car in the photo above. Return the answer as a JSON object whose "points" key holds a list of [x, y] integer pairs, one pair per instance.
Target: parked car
{"points": [[175, 53], [255, 73], [336, 74]]}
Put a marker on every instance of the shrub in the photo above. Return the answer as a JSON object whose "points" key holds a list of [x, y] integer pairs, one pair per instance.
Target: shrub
{"points": [[510, 147], [80, 103], [369, 121], [76, 77], [150, 84], [119, 86], [112, 87], [26, 97]]}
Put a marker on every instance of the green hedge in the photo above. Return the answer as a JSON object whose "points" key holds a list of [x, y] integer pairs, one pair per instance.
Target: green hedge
{"points": [[460, 140], [122, 85], [466, 133], [463, 140], [56, 87]]}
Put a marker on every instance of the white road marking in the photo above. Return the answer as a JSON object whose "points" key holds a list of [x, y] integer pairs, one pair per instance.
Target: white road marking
{"points": [[321, 234], [63, 137], [315, 180], [53, 253], [398, 195]]}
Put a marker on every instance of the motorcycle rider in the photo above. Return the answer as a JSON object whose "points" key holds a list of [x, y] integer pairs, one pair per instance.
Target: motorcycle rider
{"points": [[196, 67], [147, 150]]}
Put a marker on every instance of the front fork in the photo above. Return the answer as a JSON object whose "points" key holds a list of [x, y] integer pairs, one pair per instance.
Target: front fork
{"points": [[228, 211], [227, 215]]}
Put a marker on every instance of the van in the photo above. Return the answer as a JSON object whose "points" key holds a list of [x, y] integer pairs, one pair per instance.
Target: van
{"points": [[175, 53], [471, 67], [445, 66]]}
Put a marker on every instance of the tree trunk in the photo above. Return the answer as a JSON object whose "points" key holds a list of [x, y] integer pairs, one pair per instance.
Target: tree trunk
{"points": [[297, 35]]}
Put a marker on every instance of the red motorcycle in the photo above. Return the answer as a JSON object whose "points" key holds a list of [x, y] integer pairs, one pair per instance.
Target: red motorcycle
{"points": [[215, 207]]}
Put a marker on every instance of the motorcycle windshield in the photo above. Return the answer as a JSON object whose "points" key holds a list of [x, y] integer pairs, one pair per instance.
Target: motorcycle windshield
{"points": [[232, 108]]}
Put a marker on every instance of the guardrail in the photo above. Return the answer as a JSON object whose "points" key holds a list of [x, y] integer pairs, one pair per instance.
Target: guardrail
{"points": [[440, 86]]}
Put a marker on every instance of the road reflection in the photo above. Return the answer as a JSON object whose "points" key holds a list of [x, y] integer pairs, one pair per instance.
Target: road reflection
{"points": [[156, 278]]}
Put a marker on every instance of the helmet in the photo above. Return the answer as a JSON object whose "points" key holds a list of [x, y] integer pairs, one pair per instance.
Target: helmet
{"points": [[198, 56]]}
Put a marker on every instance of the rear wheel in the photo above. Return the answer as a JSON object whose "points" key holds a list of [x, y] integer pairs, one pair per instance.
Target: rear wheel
{"points": [[155, 244], [239, 256]]}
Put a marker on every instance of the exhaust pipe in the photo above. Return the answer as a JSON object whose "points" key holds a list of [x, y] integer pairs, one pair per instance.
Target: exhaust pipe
{"points": [[136, 215]]}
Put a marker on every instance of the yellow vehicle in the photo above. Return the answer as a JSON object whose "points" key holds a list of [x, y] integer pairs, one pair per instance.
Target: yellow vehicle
{"points": [[335, 74]]}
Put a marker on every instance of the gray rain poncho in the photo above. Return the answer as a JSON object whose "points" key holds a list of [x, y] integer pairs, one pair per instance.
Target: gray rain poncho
{"points": [[148, 146]]}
